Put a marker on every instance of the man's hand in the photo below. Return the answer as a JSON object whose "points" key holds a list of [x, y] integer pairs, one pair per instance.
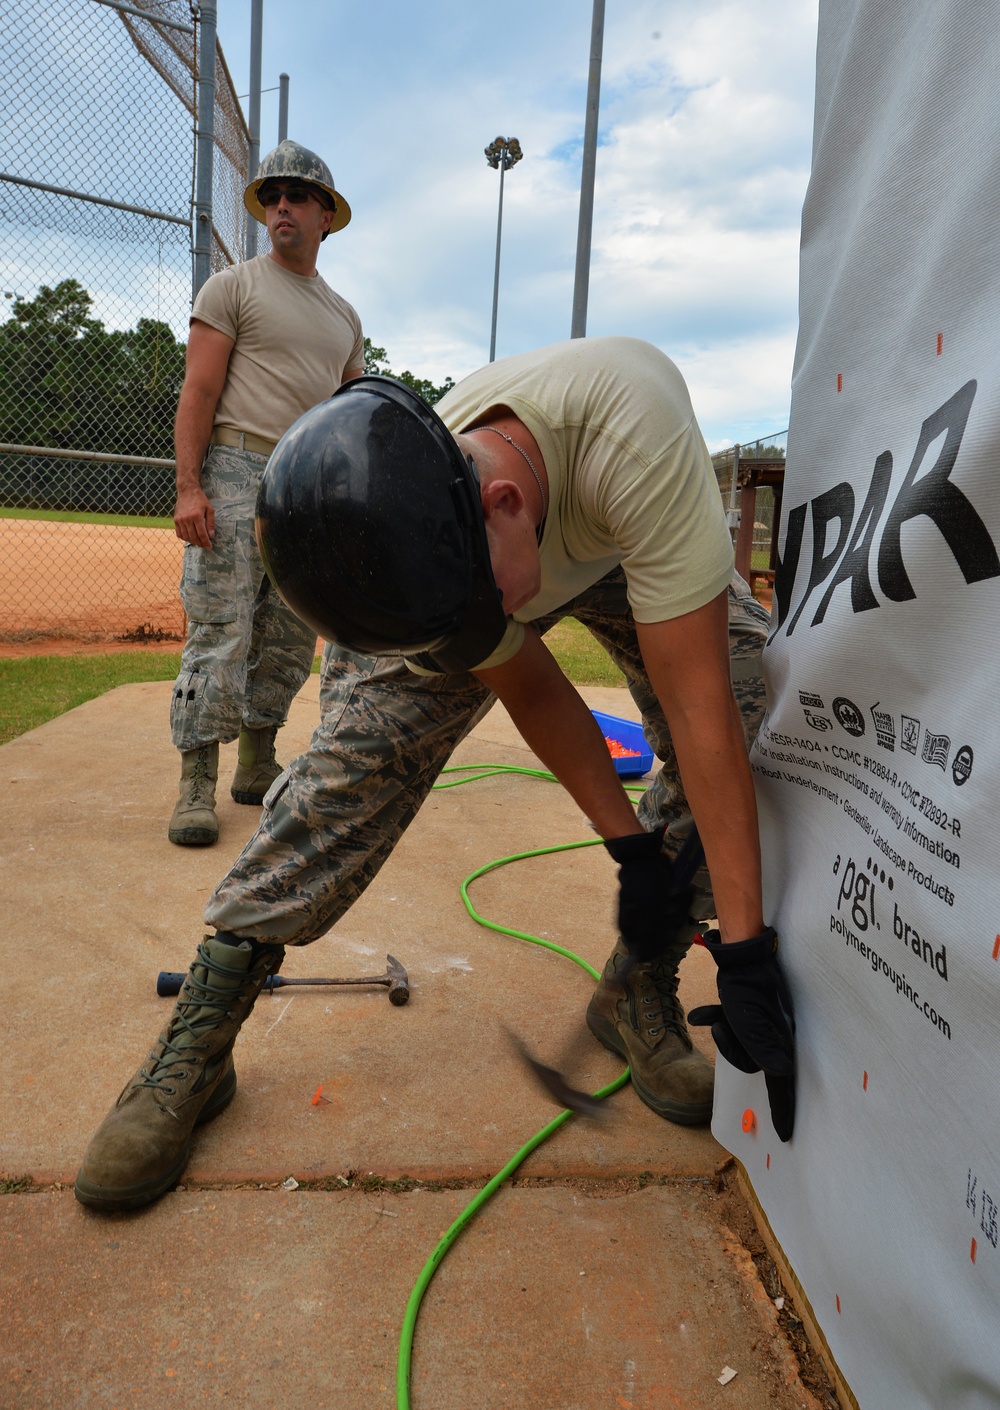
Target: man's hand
{"points": [[754, 1024], [652, 904], [194, 517]]}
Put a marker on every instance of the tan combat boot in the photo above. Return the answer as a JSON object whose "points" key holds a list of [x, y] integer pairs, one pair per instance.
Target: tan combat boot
{"points": [[194, 823], [635, 1012], [142, 1145], [257, 768]]}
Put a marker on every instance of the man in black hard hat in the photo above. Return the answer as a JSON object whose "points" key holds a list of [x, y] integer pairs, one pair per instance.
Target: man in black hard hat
{"points": [[434, 549]]}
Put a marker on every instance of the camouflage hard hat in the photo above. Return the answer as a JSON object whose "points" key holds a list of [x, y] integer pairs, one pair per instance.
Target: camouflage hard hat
{"points": [[289, 160]]}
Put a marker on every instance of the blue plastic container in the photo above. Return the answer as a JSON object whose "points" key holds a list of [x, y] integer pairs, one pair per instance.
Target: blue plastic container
{"points": [[630, 735]]}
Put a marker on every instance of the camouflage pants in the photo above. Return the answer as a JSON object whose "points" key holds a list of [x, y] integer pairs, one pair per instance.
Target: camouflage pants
{"points": [[336, 813], [247, 655]]}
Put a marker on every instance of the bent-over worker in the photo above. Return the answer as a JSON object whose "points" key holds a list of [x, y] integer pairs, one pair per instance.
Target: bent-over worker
{"points": [[437, 549]]}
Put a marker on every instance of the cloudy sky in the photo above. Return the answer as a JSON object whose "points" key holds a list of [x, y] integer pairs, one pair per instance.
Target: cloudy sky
{"points": [[705, 133]]}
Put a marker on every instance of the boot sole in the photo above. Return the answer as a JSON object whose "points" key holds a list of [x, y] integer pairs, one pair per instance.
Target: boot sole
{"points": [[192, 836], [680, 1113], [114, 1201], [254, 800]]}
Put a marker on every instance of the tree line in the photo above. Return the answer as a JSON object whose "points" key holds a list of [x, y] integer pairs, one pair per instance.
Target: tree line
{"points": [[68, 382]]}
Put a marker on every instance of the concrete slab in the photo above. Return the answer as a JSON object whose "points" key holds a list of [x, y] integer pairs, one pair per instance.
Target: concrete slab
{"points": [[573, 1288], [103, 903], [552, 1298]]}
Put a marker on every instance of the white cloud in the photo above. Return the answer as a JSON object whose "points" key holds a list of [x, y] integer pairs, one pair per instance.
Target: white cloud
{"points": [[741, 386]]}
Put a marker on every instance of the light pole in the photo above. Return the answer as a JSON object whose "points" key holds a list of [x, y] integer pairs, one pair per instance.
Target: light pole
{"points": [[581, 284], [503, 152], [282, 106]]}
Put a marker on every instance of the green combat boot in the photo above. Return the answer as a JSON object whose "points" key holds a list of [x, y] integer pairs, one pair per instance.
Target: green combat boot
{"points": [[257, 768], [142, 1145], [194, 823], [639, 1017]]}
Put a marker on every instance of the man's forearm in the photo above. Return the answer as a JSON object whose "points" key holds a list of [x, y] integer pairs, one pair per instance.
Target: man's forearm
{"points": [[192, 434], [719, 787], [688, 664], [194, 517]]}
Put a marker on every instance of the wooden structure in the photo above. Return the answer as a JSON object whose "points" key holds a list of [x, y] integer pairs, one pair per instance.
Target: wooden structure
{"points": [[752, 474]]}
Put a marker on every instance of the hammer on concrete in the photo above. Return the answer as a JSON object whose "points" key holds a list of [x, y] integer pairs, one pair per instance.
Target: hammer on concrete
{"points": [[395, 979]]}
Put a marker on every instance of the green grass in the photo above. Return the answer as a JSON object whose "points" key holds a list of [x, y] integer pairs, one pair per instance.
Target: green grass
{"points": [[15, 1185], [58, 516], [34, 689], [581, 657]]}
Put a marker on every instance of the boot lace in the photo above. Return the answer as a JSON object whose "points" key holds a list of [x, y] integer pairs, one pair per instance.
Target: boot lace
{"points": [[201, 783], [654, 990], [200, 1009]]}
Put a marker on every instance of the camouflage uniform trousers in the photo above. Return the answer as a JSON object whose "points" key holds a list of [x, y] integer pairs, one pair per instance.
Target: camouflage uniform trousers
{"points": [[335, 815], [247, 655]]}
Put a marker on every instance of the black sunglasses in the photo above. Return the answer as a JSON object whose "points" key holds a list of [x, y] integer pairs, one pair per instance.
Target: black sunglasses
{"points": [[294, 195]]}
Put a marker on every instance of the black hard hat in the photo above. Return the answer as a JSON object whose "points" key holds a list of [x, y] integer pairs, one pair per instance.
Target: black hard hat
{"points": [[370, 525]]}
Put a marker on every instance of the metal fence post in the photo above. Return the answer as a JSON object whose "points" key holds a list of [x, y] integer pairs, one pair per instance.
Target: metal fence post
{"points": [[205, 147]]}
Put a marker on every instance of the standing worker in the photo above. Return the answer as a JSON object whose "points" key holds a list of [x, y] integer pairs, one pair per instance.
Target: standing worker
{"points": [[269, 339], [569, 481]]}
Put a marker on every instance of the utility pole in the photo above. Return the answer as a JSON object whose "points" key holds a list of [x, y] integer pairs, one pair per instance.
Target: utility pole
{"points": [[253, 159], [581, 284], [503, 152]]}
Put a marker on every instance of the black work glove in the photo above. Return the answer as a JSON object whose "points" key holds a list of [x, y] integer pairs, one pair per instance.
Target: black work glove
{"points": [[753, 1024], [652, 903]]}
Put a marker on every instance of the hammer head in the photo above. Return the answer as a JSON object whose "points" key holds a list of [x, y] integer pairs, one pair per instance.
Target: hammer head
{"points": [[399, 981], [554, 1084]]}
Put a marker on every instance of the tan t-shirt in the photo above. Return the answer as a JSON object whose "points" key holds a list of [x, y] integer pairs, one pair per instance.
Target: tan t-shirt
{"points": [[630, 478], [295, 338]]}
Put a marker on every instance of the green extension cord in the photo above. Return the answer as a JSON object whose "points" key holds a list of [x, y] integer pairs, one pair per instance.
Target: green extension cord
{"points": [[473, 772]]}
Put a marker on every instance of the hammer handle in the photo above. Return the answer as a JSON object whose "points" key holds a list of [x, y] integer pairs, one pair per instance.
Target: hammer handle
{"points": [[168, 984]]}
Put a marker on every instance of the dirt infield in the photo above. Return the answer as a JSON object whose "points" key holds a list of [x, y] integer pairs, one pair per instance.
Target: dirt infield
{"points": [[82, 588], [92, 585]]}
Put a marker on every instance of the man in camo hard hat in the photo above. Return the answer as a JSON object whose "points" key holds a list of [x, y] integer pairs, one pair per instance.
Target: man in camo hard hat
{"points": [[437, 547], [269, 339]]}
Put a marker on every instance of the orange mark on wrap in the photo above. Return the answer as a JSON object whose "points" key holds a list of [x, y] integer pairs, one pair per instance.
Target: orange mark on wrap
{"points": [[940, 343], [840, 381], [864, 1083], [996, 948], [749, 1122], [972, 1251]]}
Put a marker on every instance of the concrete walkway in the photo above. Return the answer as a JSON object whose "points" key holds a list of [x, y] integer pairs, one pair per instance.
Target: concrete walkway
{"points": [[605, 1275]]}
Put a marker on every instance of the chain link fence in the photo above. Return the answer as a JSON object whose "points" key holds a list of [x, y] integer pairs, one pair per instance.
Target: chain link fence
{"points": [[98, 147]]}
